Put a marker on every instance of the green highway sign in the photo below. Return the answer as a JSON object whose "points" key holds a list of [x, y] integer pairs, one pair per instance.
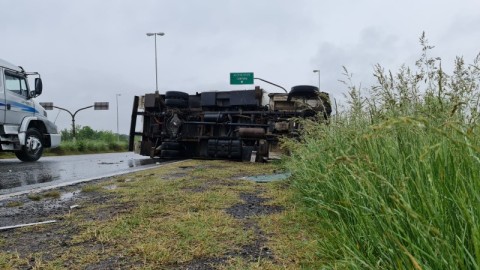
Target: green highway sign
{"points": [[241, 78]]}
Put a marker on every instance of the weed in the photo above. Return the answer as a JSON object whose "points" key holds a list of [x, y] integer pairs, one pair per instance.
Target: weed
{"points": [[34, 196], [14, 204], [393, 181], [8, 260], [91, 188], [53, 194]]}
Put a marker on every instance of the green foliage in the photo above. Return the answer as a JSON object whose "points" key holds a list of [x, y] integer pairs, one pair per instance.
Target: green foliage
{"points": [[394, 179], [88, 140]]}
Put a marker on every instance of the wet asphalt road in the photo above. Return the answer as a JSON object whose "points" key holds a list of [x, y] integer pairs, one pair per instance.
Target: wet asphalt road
{"points": [[17, 176]]}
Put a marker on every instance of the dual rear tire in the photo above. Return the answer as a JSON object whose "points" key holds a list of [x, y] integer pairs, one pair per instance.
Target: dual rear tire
{"points": [[171, 150], [176, 99]]}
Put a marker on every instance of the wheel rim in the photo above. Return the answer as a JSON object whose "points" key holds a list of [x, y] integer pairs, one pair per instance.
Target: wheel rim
{"points": [[33, 145]]}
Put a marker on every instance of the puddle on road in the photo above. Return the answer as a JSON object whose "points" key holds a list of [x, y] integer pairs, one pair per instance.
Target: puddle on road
{"points": [[20, 177]]}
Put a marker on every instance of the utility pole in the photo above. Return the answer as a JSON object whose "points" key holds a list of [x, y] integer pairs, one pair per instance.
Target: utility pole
{"points": [[156, 70]]}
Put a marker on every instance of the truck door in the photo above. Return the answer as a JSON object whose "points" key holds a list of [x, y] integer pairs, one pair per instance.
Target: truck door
{"points": [[2, 98], [18, 106]]}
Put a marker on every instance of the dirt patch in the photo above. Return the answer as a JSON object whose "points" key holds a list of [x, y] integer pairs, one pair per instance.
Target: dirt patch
{"points": [[29, 211], [46, 240], [252, 206], [257, 250]]}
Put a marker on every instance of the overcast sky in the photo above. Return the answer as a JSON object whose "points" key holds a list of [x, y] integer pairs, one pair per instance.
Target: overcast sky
{"points": [[91, 50]]}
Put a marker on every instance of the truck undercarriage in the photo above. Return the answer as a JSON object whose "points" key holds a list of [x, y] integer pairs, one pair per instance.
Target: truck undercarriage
{"points": [[239, 125]]}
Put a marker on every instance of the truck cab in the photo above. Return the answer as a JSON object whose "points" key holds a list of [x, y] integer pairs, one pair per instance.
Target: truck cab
{"points": [[24, 126]]}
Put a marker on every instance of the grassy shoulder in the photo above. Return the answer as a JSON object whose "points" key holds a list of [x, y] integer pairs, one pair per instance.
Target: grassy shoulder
{"points": [[179, 215]]}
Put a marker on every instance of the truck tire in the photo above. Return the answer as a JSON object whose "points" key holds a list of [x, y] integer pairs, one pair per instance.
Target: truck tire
{"points": [[176, 103], [307, 91], [176, 95], [33, 148], [170, 146], [170, 153]]}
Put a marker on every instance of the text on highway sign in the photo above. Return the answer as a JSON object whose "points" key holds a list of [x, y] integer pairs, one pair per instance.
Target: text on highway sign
{"points": [[241, 78]]}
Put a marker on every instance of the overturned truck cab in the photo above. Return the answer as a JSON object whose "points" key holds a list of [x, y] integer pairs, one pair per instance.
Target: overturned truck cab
{"points": [[239, 125]]}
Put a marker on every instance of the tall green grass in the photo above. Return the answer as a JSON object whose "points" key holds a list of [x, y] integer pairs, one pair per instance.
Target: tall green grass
{"points": [[88, 146], [394, 181], [88, 140]]}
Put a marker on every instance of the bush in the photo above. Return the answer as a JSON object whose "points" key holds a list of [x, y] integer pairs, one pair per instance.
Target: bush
{"points": [[90, 141]]}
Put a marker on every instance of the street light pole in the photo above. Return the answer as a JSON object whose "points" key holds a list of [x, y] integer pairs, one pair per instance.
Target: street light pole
{"points": [[318, 71], [271, 84], [96, 106], [73, 117], [156, 69], [118, 132]]}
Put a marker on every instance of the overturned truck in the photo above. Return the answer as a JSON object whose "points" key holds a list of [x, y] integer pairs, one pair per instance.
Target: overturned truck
{"points": [[239, 125]]}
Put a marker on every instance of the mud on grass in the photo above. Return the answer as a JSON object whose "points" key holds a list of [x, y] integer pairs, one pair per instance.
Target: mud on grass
{"points": [[189, 215]]}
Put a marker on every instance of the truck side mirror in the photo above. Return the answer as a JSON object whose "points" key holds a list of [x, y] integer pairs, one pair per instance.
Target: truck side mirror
{"points": [[38, 86]]}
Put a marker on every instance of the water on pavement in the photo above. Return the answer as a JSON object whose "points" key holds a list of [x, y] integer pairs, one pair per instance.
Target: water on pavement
{"points": [[18, 176]]}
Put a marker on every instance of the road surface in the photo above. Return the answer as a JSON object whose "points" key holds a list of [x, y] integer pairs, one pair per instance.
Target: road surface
{"points": [[19, 177]]}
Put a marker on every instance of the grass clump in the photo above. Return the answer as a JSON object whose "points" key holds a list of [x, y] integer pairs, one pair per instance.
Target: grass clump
{"points": [[393, 181], [8, 261], [53, 194], [34, 196], [14, 204], [91, 188]]}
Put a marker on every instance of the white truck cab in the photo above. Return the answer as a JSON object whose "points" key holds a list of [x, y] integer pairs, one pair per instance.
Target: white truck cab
{"points": [[24, 127]]}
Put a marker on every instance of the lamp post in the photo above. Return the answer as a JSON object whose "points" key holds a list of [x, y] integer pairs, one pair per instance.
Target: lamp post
{"points": [[96, 106], [271, 84], [156, 72], [318, 71], [118, 132]]}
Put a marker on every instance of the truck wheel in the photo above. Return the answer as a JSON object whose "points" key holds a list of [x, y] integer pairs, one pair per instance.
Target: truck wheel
{"points": [[307, 91], [33, 148], [170, 146], [176, 95], [170, 153], [176, 103]]}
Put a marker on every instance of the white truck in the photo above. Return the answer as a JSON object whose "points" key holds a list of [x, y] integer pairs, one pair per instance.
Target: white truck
{"points": [[24, 126]]}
